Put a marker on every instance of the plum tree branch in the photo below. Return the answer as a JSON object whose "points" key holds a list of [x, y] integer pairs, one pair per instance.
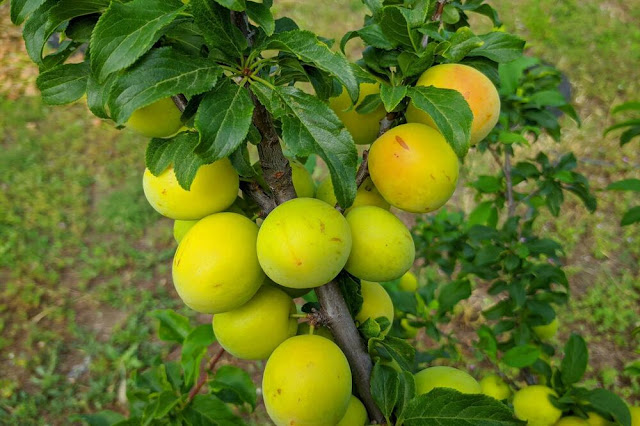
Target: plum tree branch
{"points": [[204, 375], [277, 173], [254, 191], [437, 17]]}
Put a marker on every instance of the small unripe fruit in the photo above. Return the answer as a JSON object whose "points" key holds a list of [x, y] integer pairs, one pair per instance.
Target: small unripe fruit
{"points": [[304, 243], [409, 331], [382, 249], [214, 188], [408, 282], [356, 414], [161, 119], [414, 168], [445, 377], [215, 268], [307, 381], [546, 332], [532, 404], [255, 329], [635, 415], [364, 128], [367, 195], [302, 181], [479, 92], [493, 386], [376, 303], [572, 421], [181, 227]]}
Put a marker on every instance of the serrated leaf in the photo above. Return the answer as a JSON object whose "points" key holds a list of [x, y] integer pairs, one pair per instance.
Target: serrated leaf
{"points": [[385, 387], [451, 293], [164, 403], [64, 83], [161, 73], [395, 24], [608, 402], [499, 46], [172, 327], [98, 95], [459, 45], [397, 349], [178, 150], [306, 46], [575, 361], [312, 127], [223, 120], [234, 385], [237, 5], [241, 162], [351, 291], [521, 356], [126, 31], [217, 28], [631, 216], [392, 95], [261, 15], [625, 185], [551, 98], [448, 407], [406, 392], [372, 35], [21, 9], [449, 111]]}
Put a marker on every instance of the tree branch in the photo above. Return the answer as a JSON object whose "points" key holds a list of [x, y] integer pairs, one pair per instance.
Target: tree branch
{"points": [[348, 338], [181, 101], [277, 173], [254, 191], [437, 17]]}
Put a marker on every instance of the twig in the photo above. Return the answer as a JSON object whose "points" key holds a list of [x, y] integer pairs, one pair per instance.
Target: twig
{"points": [[254, 191], [181, 101], [363, 170], [204, 375], [437, 17]]}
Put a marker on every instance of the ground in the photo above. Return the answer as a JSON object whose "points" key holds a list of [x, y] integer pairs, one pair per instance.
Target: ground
{"points": [[83, 258]]}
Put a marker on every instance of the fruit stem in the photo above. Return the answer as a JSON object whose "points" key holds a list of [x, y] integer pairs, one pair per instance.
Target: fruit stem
{"points": [[204, 375], [298, 316]]}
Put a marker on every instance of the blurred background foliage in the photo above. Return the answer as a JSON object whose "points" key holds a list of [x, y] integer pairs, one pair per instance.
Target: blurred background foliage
{"points": [[84, 259]]}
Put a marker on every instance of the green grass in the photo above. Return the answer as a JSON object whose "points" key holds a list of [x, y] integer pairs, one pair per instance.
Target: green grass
{"points": [[83, 258]]}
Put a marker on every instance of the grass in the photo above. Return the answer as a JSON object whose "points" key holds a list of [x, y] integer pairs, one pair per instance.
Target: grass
{"points": [[83, 258]]}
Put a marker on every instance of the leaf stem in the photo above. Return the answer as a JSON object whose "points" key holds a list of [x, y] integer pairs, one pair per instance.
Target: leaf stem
{"points": [[263, 81]]}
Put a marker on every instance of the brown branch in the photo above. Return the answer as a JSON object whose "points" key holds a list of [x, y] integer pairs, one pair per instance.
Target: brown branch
{"points": [[437, 17], [254, 191], [181, 101], [348, 338], [204, 375], [363, 171], [277, 173]]}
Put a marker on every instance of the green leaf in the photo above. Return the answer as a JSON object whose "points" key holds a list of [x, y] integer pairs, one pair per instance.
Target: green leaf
{"points": [[223, 120], [172, 327], [627, 106], [521, 356], [241, 162], [21, 9], [629, 134], [448, 407], [101, 418], [178, 150], [406, 392], [64, 83], [98, 95], [164, 403], [499, 47], [608, 402], [395, 25], [459, 45], [352, 293], [488, 184], [631, 216], [412, 64], [385, 387], [161, 73], [372, 35], [452, 293], [218, 30], [512, 72], [394, 348], [237, 5], [449, 111], [625, 185], [312, 127], [210, 410], [126, 31], [193, 350], [306, 46], [233, 385], [261, 15], [575, 361], [626, 123], [551, 98], [392, 95]]}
